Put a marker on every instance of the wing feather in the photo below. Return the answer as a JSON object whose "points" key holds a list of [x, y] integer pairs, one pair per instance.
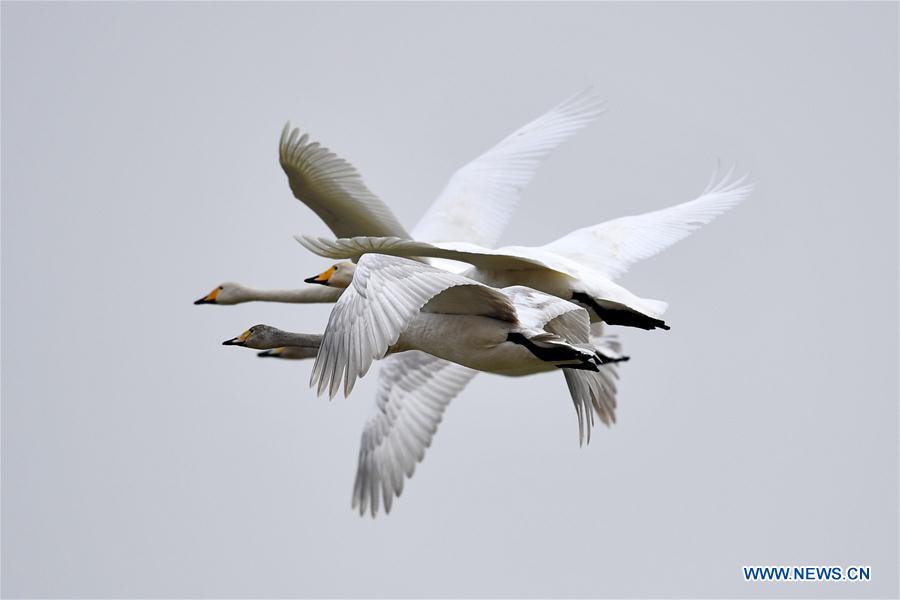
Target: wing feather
{"points": [[334, 189], [612, 247], [413, 391], [538, 310], [386, 294], [481, 197], [486, 258], [592, 392]]}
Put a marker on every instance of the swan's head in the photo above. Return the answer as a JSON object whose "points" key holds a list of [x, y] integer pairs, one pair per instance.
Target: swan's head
{"points": [[259, 337], [337, 276], [227, 293]]}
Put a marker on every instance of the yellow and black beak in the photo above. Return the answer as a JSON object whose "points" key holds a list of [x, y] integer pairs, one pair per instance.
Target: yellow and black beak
{"points": [[238, 341], [322, 278], [210, 298]]}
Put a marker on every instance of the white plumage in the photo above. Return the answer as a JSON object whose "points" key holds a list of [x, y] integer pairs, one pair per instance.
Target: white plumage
{"points": [[413, 391], [395, 304], [333, 188], [475, 205], [579, 266], [481, 197], [435, 328]]}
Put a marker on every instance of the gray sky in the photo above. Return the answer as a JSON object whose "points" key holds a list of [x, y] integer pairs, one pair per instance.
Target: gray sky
{"points": [[142, 458]]}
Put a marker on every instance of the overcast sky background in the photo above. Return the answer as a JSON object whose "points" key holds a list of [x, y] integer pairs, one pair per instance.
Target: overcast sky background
{"points": [[142, 458]]}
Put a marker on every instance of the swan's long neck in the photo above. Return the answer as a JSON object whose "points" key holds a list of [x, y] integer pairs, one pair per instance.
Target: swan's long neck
{"points": [[308, 295], [301, 340]]}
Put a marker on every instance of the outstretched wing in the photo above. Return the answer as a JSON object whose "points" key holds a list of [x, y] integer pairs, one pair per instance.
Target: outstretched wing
{"points": [[414, 389], [333, 188], [386, 294], [612, 247], [481, 197], [514, 257]]}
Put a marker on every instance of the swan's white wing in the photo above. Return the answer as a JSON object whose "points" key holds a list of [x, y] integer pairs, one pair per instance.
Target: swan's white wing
{"points": [[414, 388], [588, 388], [333, 188], [385, 295], [595, 389], [412, 379], [481, 197], [537, 310], [572, 323], [484, 192], [538, 261], [353, 248], [608, 374], [612, 247], [592, 392]]}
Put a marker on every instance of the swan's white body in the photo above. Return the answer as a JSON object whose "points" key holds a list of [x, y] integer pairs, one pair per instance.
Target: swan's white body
{"points": [[476, 342], [396, 304]]}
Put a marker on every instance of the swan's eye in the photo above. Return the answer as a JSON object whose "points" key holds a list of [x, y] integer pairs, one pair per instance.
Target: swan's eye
{"points": [[336, 267]]}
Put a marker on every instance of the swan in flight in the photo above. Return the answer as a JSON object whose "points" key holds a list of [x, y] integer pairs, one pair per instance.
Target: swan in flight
{"points": [[475, 204], [579, 266], [395, 304], [545, 351], [309, 345], [413, 394]]}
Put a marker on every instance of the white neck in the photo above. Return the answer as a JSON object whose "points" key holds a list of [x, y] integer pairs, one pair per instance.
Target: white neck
{"points": [[307, 295]]}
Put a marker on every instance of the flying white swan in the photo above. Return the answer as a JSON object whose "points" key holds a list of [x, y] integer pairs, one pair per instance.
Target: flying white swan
{"points": [[268, 337], [395, 304], [580, 266], [396, 439], [475, 205]]}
